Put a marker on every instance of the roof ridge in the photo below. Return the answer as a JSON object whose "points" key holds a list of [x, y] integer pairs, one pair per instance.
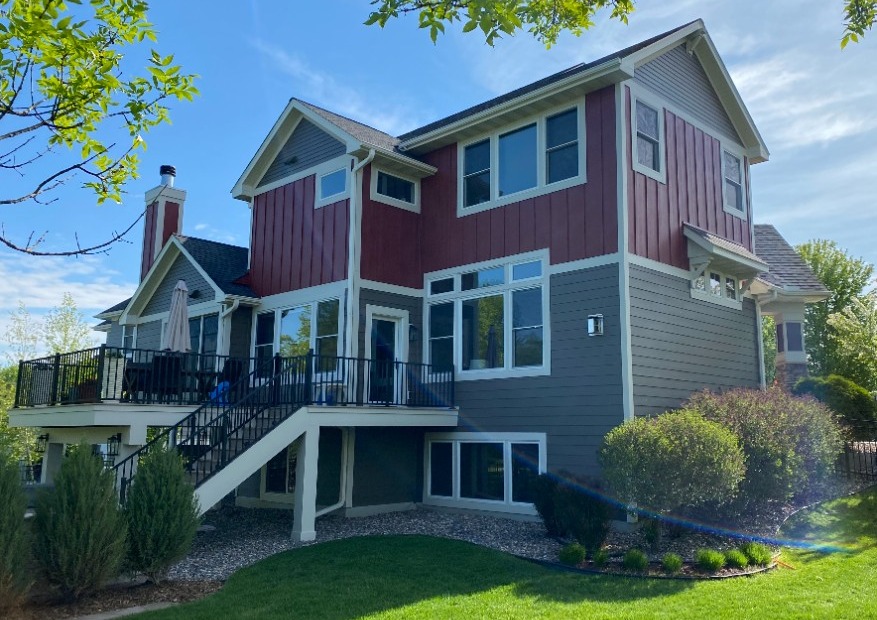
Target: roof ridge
{"points": [[185, 238]]}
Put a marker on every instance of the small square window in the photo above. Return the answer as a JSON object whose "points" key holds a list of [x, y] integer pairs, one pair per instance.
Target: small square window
{"points": [[333, 183], [595, 325]]}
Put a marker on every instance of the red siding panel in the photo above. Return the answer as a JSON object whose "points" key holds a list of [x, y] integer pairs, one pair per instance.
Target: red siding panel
{"points": [[295, 246], [148, 240], [171, 221], [693, 194]]}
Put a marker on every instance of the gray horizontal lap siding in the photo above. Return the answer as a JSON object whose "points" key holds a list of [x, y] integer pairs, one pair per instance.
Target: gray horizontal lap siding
{"points": [[182, 269], [582, 398], [114, 336], [679, 77], [681, 345], [387, 466], [414, 306], [307, 146], [149, 335]]}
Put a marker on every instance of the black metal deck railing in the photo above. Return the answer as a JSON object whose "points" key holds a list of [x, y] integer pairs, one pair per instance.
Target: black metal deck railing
{"points": [[243, 412], [128, 375]]}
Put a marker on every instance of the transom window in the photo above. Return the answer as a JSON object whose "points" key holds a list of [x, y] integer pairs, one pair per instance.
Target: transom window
{"points": [[395, 187], [732, 167], [648, 140], [488, 320], [499, 471], [522, 161]]}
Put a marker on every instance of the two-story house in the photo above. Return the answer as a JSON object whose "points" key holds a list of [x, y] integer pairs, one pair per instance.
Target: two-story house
{"points": [[475, 301]]}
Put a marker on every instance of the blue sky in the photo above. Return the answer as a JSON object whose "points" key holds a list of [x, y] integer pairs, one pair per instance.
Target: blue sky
{"points": [[813, 103]]}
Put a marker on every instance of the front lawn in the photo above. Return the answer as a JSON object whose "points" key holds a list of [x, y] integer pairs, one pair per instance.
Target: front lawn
{"points": [[422, 577]]}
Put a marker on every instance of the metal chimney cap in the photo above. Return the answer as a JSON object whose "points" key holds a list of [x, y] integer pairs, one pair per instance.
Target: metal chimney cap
{"points": [[167, 170]]}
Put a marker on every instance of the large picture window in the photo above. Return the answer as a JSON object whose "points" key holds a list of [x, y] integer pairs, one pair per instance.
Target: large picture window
{"points": [[488, 321], [467, 469], [522, 162], [293, 332]]}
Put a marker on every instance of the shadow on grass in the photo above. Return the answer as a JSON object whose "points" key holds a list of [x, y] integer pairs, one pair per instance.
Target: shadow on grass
{"points": [[848, 522], [360, 576]]}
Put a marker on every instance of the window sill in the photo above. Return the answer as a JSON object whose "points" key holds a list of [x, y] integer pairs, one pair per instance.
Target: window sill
{"points": [[520, 196], [715, 299], [660, 177], [502, 373], [738, 214]]}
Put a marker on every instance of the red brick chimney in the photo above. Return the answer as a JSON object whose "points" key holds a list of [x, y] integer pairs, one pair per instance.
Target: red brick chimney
{"points": [[164, 217]]}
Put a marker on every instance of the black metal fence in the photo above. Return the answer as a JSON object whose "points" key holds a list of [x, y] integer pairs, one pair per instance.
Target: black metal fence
{"points": [[126, 375], [859, 457]]}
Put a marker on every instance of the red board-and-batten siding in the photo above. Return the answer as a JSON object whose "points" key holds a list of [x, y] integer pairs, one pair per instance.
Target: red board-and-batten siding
{"points": [[169, 225], [294, 245], [575, 223], [693, 194]]}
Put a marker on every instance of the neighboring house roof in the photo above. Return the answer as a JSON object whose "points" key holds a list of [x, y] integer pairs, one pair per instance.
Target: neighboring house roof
{"points": [[117, 309], [788, 271], [224, 263]]}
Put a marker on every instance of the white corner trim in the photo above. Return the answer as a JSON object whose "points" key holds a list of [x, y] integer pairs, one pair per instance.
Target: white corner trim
{"points": [[622, 144]]}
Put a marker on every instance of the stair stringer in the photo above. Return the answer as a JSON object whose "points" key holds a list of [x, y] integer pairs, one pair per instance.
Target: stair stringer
{"points": [[209, 492]]}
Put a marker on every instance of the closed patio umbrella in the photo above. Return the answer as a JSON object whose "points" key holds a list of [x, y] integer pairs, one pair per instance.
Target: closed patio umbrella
{"points": [[176, 333]]}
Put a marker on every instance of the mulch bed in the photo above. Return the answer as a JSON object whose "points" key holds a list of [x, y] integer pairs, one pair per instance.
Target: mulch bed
{"points": [[43, 606]]}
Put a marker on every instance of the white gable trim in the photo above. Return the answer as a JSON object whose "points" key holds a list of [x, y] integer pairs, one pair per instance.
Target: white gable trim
{"points": [[245, 188]]}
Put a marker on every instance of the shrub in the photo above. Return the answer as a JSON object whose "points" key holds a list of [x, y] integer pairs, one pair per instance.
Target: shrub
{"points": [[162, 514], [572, 554], [854, 404], [672, 563], [582, 513], [14, 579], [601, 558], [673, 460], [790, 443], [651, 529], [736, 558], [80, 531], [756, 553], [635, 560], [709, 560], [544, 494]]}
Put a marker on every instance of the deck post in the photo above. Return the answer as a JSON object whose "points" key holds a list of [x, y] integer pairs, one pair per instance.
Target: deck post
{"points": [[304, 528]]}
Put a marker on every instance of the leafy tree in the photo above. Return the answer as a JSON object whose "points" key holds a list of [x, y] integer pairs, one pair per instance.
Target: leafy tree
{"points": [[19, 442], [769, 341], [846, 277], [855, 329], [546, 19], [65, 328], [22, 335], [67, 108]]}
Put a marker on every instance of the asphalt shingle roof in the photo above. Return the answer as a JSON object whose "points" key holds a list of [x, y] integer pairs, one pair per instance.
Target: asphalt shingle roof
{"points": [[360, 131], [787, 269], [117, 308], [725, 244], [224, 263]]}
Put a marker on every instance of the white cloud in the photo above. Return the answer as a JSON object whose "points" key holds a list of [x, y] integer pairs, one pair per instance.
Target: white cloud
{"points": [[208, 231], [323, 89]]}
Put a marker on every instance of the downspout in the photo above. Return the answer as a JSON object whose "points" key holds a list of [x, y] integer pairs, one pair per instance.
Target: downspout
{"points": [[351, 348]]}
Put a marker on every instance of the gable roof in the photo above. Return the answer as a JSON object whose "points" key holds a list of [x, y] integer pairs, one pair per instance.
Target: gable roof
{"points": [[223, 263], [366, 134], [788, 271], [117, 309]]}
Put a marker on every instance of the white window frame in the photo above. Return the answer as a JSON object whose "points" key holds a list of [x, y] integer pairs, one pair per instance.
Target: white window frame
{"points": [[201, 318], [458, 296], [313, 335], [394, 202], [133, 330], [455, 439], [330, 167], [658, 175], [541, 187], [735, 151], [722, 300]]}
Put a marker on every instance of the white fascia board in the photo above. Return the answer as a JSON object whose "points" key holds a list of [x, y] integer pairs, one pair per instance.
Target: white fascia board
{"points": [[245, 187], [106, 316], [218, 293], [661, 46], [780, 294], [618, 69], [161, 264], [415, 168]]}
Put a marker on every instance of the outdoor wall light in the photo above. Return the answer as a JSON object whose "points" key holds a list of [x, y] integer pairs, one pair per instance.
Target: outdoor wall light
{"points": [[595, 325], [413, 333], [113, 444], [195, 294], [42, 442]]}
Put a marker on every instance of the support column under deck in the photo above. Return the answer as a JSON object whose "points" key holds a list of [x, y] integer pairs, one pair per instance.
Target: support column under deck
{"points": [[305, 513]]}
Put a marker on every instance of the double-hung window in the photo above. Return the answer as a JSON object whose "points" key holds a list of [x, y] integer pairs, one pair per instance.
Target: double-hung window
{"points": [[128, 336], [489, 321], [539, 156], [649, 151], [732, 172]]}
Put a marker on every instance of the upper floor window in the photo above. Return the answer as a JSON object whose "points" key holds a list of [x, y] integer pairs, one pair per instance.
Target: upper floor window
{"points": [[395, 190], [489, 319], [333, 183], [542, 155], [732, 171], [648, 141]]}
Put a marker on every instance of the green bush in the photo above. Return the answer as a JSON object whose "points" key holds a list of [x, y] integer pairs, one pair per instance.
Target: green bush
{"points": [[80, 531], [162, 514], [14, 544], [601, 558], [756, 553], [651, 529], [854, 404], [672, 461], [672, 563], [709, 560], [736, 558], [582, 513], [635, 560], [544, 492], [791, 444], [572, 554]]}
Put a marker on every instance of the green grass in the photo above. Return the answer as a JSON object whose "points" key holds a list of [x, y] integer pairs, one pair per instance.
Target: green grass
{"points": [[421, 577]]}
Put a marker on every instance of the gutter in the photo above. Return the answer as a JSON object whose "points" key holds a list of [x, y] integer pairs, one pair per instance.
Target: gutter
{"points": [[353, 246]]}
